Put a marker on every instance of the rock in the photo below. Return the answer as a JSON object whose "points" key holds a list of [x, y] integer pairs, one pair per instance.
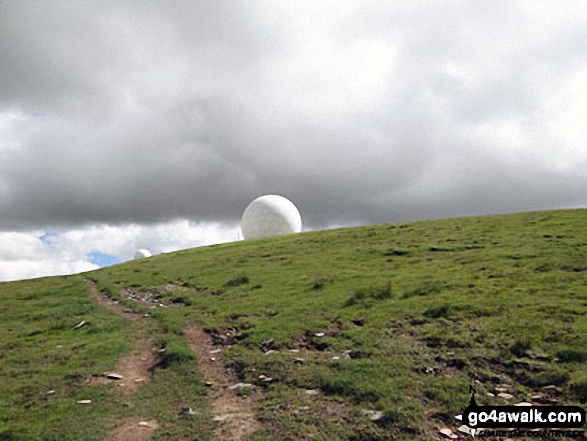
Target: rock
{"points": [[220, 418], [215, 351], [374, 415], [335, 358], [127, 310], [489, 394], [501, 389], [304, 408], [319, 334], [208, 384], [505, 396], [79, 325], [145, 424], [312, 391], [464, 429], [359, 321], [212, 358], [187, 411], [270, 351], [523, 403], [295, 351], [445, 431], [265, 379], [240, 385], [268, 345], [114, 376], [84, 401], [298, 360]]}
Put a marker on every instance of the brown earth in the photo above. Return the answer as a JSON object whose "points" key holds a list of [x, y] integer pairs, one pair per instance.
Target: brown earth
{"points": [[133, 429], [136, 368], [234, 413]]}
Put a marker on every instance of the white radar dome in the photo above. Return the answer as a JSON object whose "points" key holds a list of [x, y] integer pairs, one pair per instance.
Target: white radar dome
{"points": [[270, 215], [142, 253]]}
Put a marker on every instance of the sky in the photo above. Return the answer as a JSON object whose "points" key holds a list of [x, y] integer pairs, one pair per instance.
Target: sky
{"points": [[129, 124]]}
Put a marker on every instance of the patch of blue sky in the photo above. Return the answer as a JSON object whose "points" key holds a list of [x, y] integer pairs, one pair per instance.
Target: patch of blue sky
{"points": [[50, 237], [103, 259]]}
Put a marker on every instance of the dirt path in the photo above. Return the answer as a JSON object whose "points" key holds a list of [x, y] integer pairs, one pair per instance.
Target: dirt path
{"points": [[235, 413], [135, 369]]}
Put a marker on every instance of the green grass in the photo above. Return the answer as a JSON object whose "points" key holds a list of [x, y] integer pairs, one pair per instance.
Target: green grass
{"points": [[439, 305]]}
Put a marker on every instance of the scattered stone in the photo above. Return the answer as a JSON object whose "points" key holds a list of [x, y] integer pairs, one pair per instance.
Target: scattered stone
{"points": [[187, 411], [114, 376], [84, 401], [551, 388], [270, 351], [359, 321], [79, 325], [501, 389], [127, 310], [312, 391], [215, 351], [267, 345], [447, 433], [505, 396], [374, 415], [523, 404], [489, 394], [239, 385], [294, 350], [220, 418], [212, 358], [161, 350], [145, 424], [265, 379], [304, 408], [208, 384], [335, 358], [464, 429], [319, 334], [50, 392], [298, 360], [535, 396], [147, 315]]}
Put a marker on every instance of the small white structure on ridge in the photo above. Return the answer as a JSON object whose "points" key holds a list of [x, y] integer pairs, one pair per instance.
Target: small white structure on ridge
{"points": [[142, 253]]}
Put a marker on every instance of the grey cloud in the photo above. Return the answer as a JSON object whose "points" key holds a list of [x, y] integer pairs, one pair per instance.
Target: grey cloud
{"points": [[151, 111]]}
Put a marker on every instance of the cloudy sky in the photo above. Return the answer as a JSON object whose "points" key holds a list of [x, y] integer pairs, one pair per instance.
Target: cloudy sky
{"points": [[128, 124]]}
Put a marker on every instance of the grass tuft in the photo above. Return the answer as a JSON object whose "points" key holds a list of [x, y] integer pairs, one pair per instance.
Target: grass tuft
{"points": [[365, 296], [237, 280]]}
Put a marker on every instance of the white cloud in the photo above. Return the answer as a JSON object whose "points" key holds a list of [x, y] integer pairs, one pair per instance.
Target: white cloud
{"points": [[23, 255]]}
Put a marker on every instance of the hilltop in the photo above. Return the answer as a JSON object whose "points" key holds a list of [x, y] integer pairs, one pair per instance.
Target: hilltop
{"points": [[365, 333]]}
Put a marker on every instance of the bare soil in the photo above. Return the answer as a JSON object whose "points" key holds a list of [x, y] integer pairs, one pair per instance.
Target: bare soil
{"points": [[133, 429], [136, 368], [234, 413]]}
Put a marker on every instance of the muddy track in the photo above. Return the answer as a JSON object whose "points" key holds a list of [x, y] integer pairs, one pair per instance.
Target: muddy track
{"points": [[135, 369], [234, 413]]}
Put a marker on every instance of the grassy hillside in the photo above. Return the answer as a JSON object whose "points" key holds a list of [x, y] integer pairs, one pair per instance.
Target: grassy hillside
{"points": [[373, 332]]}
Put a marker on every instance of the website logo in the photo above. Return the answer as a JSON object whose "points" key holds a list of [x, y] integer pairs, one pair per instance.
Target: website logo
{"points": [[477, 417]]}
